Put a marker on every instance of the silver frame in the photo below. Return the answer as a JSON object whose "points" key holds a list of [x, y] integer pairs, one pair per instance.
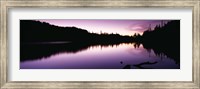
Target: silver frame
{"points": [[5, 5]]}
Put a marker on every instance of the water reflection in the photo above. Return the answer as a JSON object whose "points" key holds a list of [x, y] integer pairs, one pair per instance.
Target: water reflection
{"points": [[94, 56]]}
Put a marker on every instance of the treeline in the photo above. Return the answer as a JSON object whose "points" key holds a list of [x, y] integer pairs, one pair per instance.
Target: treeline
{"points": [[163, 39], [36, 31]]}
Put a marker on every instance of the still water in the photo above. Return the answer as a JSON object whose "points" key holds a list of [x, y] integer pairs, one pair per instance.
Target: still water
{"points": [[120, 56]]}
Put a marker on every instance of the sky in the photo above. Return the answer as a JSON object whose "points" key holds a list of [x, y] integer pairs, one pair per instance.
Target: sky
{"points": [[122, 27]]}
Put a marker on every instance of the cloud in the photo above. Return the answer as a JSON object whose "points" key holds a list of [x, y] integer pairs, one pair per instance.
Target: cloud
{"points": [[137, 27]]}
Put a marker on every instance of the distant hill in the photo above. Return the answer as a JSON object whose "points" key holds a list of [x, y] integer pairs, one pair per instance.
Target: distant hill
{"points": [[36, 31]]}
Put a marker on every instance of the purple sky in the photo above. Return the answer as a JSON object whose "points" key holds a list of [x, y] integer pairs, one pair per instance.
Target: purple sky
{"points": [[123, 27]]}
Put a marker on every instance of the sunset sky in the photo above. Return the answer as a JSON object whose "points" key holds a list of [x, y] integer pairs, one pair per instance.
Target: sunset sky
{"points": [[123, 27]]}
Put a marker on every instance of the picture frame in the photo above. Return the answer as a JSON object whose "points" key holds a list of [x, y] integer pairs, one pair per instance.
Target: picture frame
{"points": [[4, 43]]}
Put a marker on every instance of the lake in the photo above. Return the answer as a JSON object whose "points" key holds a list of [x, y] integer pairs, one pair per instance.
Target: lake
{"points": [[61, 55]]}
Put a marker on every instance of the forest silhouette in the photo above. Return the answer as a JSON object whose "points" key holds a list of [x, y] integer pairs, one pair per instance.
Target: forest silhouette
{"points": [[164, 39]]}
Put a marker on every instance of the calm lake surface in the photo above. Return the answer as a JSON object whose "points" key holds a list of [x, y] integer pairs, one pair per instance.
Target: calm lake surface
{"points": [[119, 56]]}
